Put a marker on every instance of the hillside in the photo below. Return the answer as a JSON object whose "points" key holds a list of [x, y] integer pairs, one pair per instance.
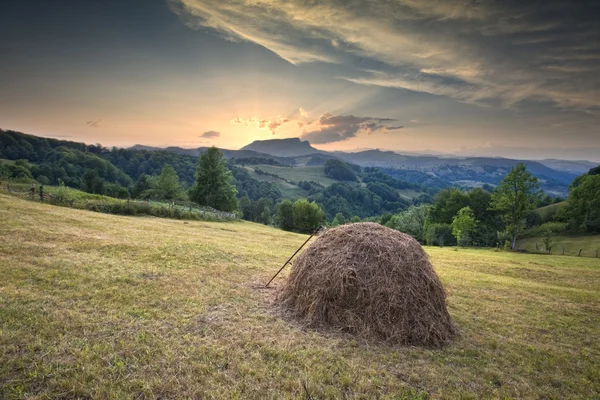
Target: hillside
{"points": [[554, 175], [100, 306]]}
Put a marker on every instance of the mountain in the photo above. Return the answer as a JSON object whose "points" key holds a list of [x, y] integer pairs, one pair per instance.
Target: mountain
{"points": [[443, 170], [196, 152], [292, 147], [575, 167]]}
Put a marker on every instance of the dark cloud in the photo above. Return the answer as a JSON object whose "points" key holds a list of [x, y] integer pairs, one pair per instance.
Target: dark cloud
{"points": [[210, 135], [499, 53], [336, 128]]}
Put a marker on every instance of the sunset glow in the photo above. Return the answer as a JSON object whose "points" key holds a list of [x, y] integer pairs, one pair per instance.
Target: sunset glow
{"points": [[427, 76]]}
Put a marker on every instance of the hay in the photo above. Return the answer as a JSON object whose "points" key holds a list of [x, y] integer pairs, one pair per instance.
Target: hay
{"points": [[371, 281]]}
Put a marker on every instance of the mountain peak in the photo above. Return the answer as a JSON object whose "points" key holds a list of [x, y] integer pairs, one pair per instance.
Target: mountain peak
{"points": [[289, 147]]}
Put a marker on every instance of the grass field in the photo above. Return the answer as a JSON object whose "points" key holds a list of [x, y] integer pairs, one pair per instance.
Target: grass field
{"points": [[588, 244], [310, 173], [287, 190], [102, 306]]}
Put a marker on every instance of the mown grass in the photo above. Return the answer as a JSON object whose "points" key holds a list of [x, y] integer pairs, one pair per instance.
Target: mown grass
{"points": [[588, 244], [102, 306]]}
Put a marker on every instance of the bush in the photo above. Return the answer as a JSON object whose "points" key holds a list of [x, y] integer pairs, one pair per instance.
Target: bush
{"points": [[306, 216]]}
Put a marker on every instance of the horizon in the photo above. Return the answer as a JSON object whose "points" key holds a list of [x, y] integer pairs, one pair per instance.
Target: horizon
{"points": [[429, 77], [357, 150]]}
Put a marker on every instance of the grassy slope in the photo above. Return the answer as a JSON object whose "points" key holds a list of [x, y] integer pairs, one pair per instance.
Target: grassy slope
{"points": [[287, 190], [546, 211], [310, 173], [572, 244], [94, 305]]}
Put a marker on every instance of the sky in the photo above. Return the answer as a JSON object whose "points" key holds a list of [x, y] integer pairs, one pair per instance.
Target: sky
{"points": [[469, 77]]}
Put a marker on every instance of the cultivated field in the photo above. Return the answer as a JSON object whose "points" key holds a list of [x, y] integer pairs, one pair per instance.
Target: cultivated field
{"points": [[101, 306]]}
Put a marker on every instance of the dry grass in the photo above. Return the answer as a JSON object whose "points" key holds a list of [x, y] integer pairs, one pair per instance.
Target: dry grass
{"points": [[101, 306], [370, 281]]}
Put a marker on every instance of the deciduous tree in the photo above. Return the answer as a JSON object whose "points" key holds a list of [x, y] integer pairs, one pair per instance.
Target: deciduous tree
{"points": [[517, 194]]}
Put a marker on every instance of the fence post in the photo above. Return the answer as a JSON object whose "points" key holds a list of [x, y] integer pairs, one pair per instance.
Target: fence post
{"points": [[563, 251], [32, 192], [596, 253], [42, 193], [579, 255]]}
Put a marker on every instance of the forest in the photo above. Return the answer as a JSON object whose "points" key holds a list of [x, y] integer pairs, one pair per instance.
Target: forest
{"points": [[441, 215]]}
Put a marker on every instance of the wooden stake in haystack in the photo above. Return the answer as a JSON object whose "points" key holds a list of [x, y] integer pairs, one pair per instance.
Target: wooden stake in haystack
{"points": [[296, 252], [370, 281]]}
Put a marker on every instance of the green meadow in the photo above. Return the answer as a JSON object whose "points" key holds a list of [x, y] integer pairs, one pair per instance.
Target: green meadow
{"points": [[101, 306]]}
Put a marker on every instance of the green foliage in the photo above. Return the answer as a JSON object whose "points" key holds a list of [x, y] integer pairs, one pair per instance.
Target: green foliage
{"points": [[446, 205], [439, 235], [166, 186], [517, 194], [339, 170], [557, 228], [141, 186], [449, 202], [584, 204], [338, 220], [115, 190], [548, 241], [411, 221], [260, 211], [306, 216], [19, 171], [253, 188], [463, 224], [353, 200], [92, 182], [285, 215], [355, 219], [213, 186]]}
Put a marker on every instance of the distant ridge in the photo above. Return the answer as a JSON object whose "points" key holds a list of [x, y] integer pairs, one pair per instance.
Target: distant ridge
{"points": [[292, 147]]}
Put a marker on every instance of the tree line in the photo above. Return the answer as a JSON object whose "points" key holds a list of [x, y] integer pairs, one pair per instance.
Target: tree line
{"points": [[484, 216]]}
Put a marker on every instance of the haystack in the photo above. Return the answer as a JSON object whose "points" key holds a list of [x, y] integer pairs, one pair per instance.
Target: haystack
{"points": [[371, 281]]}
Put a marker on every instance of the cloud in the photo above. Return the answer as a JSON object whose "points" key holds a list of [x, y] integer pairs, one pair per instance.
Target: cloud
{"points": [[484, 52], [336, 128], [272, 125], [94, 124], [210, 135], [303, 112]]}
